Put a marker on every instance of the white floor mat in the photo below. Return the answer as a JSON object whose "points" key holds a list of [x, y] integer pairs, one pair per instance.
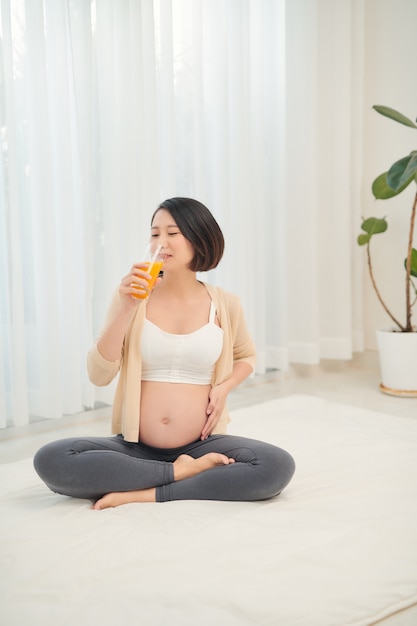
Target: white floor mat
{"points": [[337, 548]]}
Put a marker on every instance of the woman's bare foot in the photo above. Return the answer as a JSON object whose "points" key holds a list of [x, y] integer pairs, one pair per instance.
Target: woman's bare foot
{"points": [[186, 466], [111, 500]]}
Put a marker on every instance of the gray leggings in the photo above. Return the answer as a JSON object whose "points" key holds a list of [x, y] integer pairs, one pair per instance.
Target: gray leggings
{"points": [[91, 467]]}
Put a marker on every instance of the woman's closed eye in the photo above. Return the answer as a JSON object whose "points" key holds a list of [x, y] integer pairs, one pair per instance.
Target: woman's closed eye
{"points": [[155, 235]]}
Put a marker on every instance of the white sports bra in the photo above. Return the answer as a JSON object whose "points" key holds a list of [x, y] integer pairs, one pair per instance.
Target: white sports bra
{"points": [[171, 358]]}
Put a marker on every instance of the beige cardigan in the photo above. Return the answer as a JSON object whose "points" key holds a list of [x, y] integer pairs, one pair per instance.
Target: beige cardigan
{"points": [[237, 346]]}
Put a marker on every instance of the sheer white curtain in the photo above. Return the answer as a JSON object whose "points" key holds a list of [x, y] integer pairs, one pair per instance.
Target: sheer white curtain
{"points": [[108, 107], [325, 58], [47, 211]]}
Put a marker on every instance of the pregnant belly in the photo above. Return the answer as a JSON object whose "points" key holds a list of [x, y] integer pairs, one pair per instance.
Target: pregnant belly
{"points": [[172, 414]]}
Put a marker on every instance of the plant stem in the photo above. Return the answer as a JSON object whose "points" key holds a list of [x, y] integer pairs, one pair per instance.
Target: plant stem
{"points": [[386, 309], [408, 305]]}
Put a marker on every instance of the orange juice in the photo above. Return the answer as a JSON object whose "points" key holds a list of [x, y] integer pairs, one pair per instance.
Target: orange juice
{"points": [[153, 269]]}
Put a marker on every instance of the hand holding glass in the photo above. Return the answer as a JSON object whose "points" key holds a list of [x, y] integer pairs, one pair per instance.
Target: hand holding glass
{"points": [[153, 261]]}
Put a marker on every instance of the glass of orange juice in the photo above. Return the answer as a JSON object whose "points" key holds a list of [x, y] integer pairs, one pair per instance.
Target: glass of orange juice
{"points": [[152, 260]]}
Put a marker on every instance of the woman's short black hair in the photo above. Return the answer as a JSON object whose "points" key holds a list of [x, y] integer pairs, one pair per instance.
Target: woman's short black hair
{"points": [[198, 225]]}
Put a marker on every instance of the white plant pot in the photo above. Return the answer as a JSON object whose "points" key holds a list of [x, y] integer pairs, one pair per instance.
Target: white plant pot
{"points": [[398, 362]]}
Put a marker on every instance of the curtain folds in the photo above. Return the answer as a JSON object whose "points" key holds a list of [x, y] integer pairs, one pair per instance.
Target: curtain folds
{"points": [[108, 107]]}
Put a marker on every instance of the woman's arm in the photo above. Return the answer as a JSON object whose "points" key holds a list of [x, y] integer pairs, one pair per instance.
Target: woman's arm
{"points": [[103, 360], [110, 343]]}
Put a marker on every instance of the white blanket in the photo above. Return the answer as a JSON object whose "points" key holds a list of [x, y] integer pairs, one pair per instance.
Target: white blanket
{"points": [[338, 547]]}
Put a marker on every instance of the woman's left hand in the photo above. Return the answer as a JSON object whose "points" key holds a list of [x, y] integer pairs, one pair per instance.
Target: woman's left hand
{"points": [[216, 404]]}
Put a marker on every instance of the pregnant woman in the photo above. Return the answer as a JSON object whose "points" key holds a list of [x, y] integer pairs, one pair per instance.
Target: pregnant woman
{"points": [[178, 353]]}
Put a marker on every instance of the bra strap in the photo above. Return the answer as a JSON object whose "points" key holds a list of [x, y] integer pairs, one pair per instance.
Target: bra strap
{"points": [[212, 315]]}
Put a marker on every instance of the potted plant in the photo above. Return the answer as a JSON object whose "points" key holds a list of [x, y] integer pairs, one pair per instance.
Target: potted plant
{"points": [[397, 346]]}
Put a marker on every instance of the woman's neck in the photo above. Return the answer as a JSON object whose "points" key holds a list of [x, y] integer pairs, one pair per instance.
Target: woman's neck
{"points": [[181, 284]]}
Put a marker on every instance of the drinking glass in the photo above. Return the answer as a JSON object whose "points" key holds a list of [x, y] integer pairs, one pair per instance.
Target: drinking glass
{"points": [[153, 259]]}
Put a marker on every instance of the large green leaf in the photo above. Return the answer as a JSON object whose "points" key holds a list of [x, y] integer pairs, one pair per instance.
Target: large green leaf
{"points": [[372, 226], [394, 115], [402, 172], [381, 189]]}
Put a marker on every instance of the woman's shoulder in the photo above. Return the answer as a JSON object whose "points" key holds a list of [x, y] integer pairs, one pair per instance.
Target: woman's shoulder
{"points": [[222, 297]]}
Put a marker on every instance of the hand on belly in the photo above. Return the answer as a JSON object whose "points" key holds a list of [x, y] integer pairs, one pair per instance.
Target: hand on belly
{"points": [[172, 415]]}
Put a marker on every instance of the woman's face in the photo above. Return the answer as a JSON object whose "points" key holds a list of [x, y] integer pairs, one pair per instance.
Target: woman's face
{"points": [[178, 251]]}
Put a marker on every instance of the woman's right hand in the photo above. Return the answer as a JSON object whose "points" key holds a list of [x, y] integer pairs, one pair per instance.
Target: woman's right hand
{"points": [[134, 286]]}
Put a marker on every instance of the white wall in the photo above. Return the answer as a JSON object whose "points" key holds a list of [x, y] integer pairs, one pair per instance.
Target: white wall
{"points": [[389, 79]]}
